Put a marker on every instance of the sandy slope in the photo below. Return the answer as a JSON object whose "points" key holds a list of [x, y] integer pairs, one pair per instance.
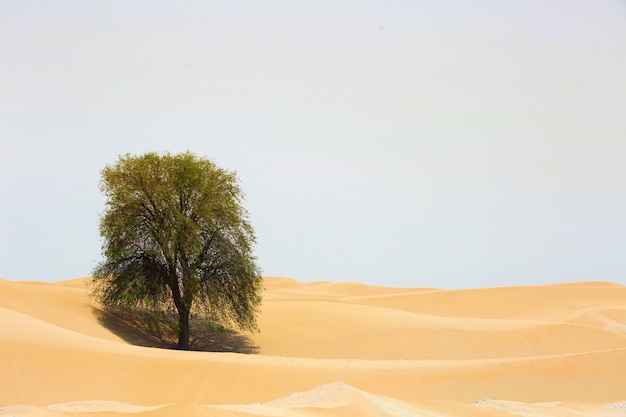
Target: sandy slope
{"points": [[328, 349]]}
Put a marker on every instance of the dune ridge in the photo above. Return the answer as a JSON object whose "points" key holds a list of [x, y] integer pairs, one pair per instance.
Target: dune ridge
{"points": [[329, 349]]}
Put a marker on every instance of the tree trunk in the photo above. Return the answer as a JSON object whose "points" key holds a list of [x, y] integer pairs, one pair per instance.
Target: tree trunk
{"points": [[183, 328]]}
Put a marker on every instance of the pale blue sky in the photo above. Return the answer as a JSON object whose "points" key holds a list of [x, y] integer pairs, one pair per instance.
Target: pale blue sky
{"points": [[409, 143]]}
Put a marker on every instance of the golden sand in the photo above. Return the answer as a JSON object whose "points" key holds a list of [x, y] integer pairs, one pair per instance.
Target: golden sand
{"points": [[327, 349]]}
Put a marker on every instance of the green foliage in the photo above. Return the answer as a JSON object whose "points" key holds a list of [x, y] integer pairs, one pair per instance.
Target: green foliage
{"points": [[177, 238]]}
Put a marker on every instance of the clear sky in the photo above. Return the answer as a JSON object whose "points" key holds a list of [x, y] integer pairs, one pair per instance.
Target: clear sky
{"points": [[410, 143]]}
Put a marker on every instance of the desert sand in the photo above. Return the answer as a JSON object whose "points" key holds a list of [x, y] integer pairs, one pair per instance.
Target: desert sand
{"points": [[327, 349]]}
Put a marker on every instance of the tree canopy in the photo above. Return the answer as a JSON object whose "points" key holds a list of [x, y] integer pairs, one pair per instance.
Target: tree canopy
{"points": [[177, 238]]}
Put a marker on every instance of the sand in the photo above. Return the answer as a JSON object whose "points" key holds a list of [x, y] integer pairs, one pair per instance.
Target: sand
{"points": [[326, 349]]}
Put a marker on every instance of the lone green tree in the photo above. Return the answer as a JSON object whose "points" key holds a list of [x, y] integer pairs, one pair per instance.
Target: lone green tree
{"points": [[177, 238]]}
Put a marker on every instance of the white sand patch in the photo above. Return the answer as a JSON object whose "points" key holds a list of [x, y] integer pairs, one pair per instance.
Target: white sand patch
{"points": [[98, 406], [325, 396]]}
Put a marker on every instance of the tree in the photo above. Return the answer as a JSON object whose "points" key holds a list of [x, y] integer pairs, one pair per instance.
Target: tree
{"points": [[176, 238]]}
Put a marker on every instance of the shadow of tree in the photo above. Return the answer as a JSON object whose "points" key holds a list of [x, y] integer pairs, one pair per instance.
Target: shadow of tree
{"points": [[138, 329]]}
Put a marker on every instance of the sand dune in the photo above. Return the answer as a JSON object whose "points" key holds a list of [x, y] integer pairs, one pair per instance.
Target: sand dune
{"points": [[328, 349]]}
